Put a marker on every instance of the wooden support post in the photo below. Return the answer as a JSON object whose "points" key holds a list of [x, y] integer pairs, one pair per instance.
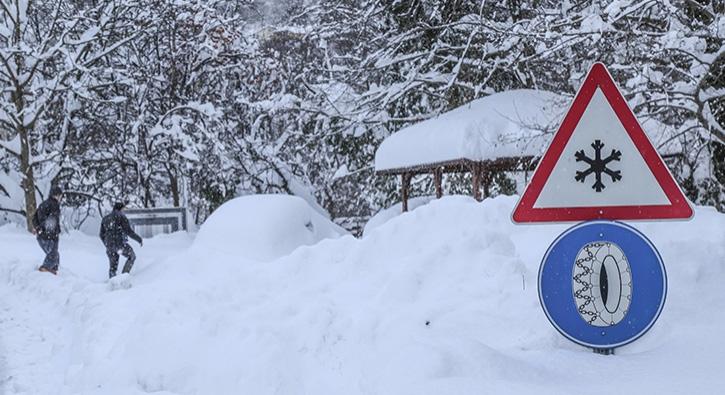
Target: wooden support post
{"points": [[476, 172], [405, 190], [487, 179], [438, 181]]}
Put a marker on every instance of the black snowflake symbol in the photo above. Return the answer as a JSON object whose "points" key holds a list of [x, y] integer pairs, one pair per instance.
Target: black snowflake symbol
{"points": [[598, 165]]}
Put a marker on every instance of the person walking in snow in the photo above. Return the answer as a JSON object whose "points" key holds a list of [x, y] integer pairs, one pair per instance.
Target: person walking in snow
{"points": [[115, 231], [46, 226]]}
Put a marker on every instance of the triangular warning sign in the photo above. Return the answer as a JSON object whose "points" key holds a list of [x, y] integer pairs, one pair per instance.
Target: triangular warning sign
{"points": [[600, 165]]}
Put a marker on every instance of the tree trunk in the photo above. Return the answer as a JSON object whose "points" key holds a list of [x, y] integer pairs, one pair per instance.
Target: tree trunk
{"points": [[26, 165], [28, 181], [174, 183], [147, 200]]}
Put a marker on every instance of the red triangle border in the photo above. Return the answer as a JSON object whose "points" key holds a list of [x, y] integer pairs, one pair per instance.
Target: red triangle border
{"points": [[599, 77]]}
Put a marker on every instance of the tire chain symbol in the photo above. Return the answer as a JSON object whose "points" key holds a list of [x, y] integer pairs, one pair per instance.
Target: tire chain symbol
{"points": [[586, 285]]}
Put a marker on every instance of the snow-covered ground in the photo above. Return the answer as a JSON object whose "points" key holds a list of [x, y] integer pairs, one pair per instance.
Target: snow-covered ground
{"points": [[441, 300]]}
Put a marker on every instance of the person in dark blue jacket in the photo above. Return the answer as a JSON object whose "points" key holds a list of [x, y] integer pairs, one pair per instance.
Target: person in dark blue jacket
{"points": [[115, 231], [46, 225]]}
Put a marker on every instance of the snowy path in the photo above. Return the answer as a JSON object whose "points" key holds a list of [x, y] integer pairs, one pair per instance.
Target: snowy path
{"points": [[39, 338], [39, 345]]}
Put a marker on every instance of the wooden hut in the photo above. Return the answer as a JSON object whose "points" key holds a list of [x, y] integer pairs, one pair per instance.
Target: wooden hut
{"points": [[506, 131]]}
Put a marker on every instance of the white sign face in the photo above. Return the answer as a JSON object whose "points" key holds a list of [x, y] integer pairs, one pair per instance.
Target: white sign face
{"points": [[624, 180]]}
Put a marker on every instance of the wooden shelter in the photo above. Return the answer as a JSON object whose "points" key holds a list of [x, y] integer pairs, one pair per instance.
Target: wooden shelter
{"points": [[482, 172], [506, 131], [502, 132]]}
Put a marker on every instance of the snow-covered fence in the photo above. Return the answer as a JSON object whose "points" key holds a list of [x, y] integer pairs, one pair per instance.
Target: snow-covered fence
{"points": [[154, 221]]}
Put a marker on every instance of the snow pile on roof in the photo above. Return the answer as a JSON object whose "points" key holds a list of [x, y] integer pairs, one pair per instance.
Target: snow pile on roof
{"points": [[264, 227], [505, 124], [441, 300]]}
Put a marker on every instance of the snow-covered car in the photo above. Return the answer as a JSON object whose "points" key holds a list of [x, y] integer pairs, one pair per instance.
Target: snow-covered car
{"points": [[264, 227]]}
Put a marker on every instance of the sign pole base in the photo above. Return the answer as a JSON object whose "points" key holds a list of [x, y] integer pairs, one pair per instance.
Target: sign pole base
{"points": [[603, 351]]}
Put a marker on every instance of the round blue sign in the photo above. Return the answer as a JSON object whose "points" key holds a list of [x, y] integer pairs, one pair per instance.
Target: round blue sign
{"points": [[602, 284]]}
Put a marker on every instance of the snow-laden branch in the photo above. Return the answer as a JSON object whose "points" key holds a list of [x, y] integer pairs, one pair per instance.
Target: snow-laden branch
{"points": [[12, 147]]}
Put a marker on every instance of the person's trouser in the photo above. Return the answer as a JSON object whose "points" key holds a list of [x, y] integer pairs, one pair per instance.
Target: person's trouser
{"points": [[52, 257], [127, 252]]}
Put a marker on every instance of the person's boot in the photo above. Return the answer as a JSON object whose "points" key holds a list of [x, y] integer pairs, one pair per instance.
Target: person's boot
{"points": [[46, 270], [127, 267]]}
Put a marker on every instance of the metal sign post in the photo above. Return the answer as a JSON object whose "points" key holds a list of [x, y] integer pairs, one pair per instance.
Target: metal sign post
{"points": [[602, 284]]}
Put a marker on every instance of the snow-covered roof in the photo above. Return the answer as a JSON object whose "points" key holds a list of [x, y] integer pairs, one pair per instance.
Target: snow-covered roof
{"points": [[505, 124], [508, 124]]}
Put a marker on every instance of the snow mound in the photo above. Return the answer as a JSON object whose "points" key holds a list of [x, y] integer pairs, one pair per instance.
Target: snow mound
{"points": [[440, 300], [386, 214], [264, 227]]}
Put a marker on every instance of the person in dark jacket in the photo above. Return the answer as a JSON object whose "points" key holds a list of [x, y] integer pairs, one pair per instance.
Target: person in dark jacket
{"points": [[115, 231], [46, 225]]}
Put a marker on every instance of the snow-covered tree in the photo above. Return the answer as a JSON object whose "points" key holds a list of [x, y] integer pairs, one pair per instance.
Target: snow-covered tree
{"points": [[193, 102], [50, 52]]}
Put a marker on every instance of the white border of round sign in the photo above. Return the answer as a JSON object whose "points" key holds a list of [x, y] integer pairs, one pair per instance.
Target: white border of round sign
{"points": [[649, 284]]}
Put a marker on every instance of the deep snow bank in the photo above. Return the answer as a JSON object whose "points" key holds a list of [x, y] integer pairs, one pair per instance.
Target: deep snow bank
{"points": [[393, 211], [264, 227], [441, 300]]}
